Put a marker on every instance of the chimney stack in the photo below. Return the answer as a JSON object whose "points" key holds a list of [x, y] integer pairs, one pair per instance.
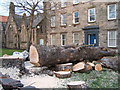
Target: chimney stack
{"points": [[12, 8]]}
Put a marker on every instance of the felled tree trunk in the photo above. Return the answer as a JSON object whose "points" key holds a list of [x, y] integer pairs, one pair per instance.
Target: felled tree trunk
{"points": [[52, 55], [110, 62]]}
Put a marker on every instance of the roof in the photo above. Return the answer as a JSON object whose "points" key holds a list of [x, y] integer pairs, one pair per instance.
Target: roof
{"points": [[3, 18], [37, 19], [18, 19]]}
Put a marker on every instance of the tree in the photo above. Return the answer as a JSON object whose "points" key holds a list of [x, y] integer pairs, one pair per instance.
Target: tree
{"points": [[31, 7]]}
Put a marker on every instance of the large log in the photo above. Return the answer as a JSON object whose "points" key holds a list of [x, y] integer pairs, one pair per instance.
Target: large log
{"points": [[51, 55], [110, 62]]}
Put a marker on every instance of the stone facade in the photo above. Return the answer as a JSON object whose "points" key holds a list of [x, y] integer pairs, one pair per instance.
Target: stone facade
{"points": [[102, 25]]}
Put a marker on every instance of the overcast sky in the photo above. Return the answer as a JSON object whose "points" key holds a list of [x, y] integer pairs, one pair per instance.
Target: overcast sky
{"points": [[4, 11]]}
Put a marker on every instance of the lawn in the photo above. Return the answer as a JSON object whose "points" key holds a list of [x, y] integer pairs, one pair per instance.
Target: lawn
{"points": [[106, 78], [8, 51]]}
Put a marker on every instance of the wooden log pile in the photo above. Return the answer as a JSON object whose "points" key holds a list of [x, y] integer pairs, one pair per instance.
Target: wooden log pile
{"points": [[67, 59]]}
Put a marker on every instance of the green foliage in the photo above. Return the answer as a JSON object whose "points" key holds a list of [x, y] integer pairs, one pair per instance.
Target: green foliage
{"points": [[97, 79], [8, 51]]}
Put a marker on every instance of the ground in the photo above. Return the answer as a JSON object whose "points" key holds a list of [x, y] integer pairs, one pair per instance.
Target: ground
{"points": [[106, 78]]}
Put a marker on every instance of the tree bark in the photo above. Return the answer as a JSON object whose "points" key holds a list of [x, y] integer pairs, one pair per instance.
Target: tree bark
{"points": [[110, 62], [52, 55]]}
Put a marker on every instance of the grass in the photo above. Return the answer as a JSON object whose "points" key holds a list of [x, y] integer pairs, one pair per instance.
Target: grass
{"points": [[8, 51], [97, 79]]}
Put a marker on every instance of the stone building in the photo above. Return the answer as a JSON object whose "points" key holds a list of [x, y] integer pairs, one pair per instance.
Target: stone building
{"points": [[3, 21], [17, 32], [82, 22]]}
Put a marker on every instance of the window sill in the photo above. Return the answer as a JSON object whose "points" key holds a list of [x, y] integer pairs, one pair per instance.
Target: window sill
{"points": [[112, 19], [52, 26], [91, 21], [76, 23], [75, 4], [63, 25]]}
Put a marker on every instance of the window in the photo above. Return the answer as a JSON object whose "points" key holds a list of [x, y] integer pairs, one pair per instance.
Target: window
{"points": [[75, 1], [112, 38], [63, 19], [52, 5], [53, 21], [76, 38], [63, 39], [91, 15], [63, 3], [111, 11], [76, 17], [53, 39], [41, 41]]}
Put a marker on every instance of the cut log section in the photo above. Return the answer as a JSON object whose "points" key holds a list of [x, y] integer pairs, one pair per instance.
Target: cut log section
{"points": [[64, 67], [77, 84], [34, 57], [41, 55], [79, 66], [98, 67], [91, 64], [63, 74], [82, 67]]}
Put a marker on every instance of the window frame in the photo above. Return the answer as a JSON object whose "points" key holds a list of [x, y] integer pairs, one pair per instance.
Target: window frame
{"points": [[63, 3], [52, 22], [53, 39], [76, 17], [74, 37], [108, 12], [63, 18], [63, 39], [90, 15], [112, 39]]}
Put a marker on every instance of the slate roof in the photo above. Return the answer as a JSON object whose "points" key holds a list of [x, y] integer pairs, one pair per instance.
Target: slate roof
{"points": [[37, 19]]}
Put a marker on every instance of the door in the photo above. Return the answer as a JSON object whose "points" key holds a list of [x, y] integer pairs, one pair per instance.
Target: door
{"points": [[92, 39]]}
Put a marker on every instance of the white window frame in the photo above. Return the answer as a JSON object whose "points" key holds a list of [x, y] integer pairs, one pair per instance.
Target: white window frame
{"points": [[63, 39], [109, 39], [75, 17], [108, 12], [63, 19], [75, 1], [90, 15], [63, 3], [52, 5], [52, 21], [74, 37], [53, 39]]}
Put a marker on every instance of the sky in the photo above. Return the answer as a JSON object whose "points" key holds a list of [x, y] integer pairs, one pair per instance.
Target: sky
{"points": [[4, 7], [4, 11]]}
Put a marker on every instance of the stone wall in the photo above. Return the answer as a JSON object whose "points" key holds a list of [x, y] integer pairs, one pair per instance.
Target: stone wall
{"points": [[101, 21]]}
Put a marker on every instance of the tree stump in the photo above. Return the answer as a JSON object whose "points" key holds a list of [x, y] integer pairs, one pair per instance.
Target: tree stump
{"points": [[77, 85], [64, 67], [63, 74]]}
